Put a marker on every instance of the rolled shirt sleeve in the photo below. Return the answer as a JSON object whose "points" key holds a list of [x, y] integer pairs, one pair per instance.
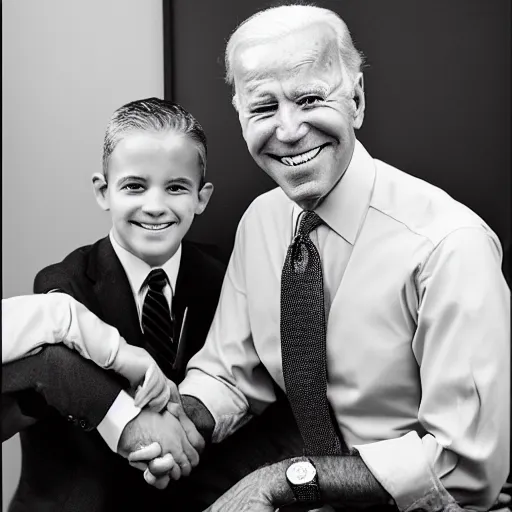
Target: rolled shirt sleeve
{"points": [[462, 345]]}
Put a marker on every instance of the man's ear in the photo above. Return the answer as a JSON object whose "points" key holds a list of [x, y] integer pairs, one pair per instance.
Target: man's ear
{"points": [[359, 101], [99, 184], [204, 196], [234, 102]]}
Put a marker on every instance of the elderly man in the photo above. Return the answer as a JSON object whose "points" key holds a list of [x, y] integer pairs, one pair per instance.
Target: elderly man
{"points": [[373, 299]]}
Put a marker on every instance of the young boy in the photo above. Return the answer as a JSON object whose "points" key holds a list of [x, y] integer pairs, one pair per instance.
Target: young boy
{"points": [[158, 291]]}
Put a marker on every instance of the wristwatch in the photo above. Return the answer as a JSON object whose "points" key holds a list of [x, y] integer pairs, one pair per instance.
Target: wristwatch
{"points": [[303, 480]]}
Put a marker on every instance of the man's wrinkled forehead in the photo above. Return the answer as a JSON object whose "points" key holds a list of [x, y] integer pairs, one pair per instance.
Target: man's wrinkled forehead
{"points": [[314, 46]]}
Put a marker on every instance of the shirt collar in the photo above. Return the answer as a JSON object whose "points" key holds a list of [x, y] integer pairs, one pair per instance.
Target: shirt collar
{"points": [[344, 209], [138, 270]]}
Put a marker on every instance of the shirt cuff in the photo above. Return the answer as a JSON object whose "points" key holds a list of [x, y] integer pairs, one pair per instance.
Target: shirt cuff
{"points": [[401, 468], [228, 408], [121, 412]]}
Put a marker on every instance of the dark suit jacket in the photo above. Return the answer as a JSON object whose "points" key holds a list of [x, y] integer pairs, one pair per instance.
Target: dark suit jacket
{"points": [[66, 465]]}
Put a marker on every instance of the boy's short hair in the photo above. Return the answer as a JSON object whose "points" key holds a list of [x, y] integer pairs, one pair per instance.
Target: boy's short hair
{"points": [[156, 115]]}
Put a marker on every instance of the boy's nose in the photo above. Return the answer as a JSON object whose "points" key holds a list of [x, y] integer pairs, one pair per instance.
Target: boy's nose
{"points": [[154, 205]]}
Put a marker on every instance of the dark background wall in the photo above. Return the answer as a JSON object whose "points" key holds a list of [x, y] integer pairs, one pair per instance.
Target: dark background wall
{"points": [[437, 82]]}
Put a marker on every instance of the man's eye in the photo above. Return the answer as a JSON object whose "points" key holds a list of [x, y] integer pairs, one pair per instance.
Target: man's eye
{"points": [[133, 187], [308, 101], [263, 109]]}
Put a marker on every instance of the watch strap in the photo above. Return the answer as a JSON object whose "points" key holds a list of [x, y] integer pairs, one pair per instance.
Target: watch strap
{"points": [[307, 492]]}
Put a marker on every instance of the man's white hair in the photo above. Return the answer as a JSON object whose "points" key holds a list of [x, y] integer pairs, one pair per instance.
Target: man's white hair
{"points": [[277, 22]]}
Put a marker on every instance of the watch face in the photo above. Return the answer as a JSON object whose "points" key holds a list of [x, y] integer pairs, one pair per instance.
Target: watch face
{"points": [[301, 473]]}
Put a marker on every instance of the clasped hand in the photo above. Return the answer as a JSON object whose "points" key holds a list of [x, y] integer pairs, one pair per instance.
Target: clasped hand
{"points": [[165, 443]]}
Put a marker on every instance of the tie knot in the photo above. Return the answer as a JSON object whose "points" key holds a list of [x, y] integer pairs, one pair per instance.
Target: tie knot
{"points": [[157, 279], [310, 221]]}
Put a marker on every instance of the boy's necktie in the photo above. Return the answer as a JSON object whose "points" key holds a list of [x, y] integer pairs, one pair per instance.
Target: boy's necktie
{"points": [[157, 322], [303, 337]]}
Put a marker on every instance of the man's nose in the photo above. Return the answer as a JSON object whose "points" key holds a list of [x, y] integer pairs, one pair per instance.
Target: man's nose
{"points": [[290, 126], [154, 203]]}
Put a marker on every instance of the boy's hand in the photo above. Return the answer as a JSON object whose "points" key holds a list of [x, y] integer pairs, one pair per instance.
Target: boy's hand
{"points": [[153, 387], [155, 391], [150, 429], [132, 363]]}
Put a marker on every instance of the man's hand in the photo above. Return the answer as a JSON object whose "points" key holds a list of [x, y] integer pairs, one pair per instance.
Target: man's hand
{"points": [[166, 430], [257, 492], [195, 438], [157, 469], [152, 453]]}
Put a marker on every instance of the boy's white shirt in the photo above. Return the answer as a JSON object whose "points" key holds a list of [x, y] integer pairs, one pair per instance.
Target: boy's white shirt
{"points": [[123, 409], [138, 270], [29, 322]]}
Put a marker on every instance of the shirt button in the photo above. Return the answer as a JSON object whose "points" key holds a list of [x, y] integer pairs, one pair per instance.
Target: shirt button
{"points": [[83, 423], [70, 418]]}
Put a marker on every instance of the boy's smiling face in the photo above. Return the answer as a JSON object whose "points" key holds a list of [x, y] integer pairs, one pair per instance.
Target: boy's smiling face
{"points": [[152, 192]]}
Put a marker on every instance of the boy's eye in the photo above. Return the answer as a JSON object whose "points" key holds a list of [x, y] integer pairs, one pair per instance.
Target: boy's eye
{"points": [[176, 188], [133, 187]]}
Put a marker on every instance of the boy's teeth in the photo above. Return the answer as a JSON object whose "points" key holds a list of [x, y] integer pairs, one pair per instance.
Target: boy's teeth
{"points": [[155, 227], [302, 158]]}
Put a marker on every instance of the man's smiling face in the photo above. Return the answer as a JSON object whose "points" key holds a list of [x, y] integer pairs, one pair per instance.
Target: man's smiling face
{"points": [[152, 192], [297, 112]]}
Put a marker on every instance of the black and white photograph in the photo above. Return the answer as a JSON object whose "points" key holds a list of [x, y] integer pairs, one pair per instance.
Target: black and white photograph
{"points": [[256, 255]]}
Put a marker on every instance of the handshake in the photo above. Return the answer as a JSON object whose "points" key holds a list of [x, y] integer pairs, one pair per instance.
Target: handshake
{"points": [[162, 442]]}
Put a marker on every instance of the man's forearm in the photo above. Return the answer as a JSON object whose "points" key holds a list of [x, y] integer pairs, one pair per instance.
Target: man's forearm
{"points": [[199, 415], [347, 479], [342, 480]]}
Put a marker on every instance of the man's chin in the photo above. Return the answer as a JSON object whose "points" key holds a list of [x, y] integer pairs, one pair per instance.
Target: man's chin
{"points": [[307, 200]]}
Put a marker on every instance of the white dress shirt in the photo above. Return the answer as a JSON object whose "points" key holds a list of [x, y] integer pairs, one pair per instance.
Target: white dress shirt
{"points": [[123, 409], [417, 331]]}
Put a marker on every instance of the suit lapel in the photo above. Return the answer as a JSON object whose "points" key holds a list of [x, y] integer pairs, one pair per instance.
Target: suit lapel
{"points": [[185, 288], [187, 300], [114, 293]]}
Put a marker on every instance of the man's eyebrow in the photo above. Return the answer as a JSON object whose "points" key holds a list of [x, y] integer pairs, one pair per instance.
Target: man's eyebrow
{"points": [[260, 98], [302, 90]]}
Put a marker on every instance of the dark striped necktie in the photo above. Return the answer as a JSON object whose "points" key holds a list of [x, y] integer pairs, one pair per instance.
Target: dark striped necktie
{"points": [[303, 338], [157, 322]]}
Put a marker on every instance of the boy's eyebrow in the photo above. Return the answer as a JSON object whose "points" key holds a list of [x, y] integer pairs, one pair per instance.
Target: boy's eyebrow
{"points": [[124, 179], [182, 179]]}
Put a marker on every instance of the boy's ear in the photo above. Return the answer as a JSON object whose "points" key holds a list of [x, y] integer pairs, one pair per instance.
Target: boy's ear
{"points": [[204, 196], [99, 184]]}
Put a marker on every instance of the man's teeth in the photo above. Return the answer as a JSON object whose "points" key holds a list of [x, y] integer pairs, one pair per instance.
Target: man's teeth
{"points": [[155, 227], [302, 158]]}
